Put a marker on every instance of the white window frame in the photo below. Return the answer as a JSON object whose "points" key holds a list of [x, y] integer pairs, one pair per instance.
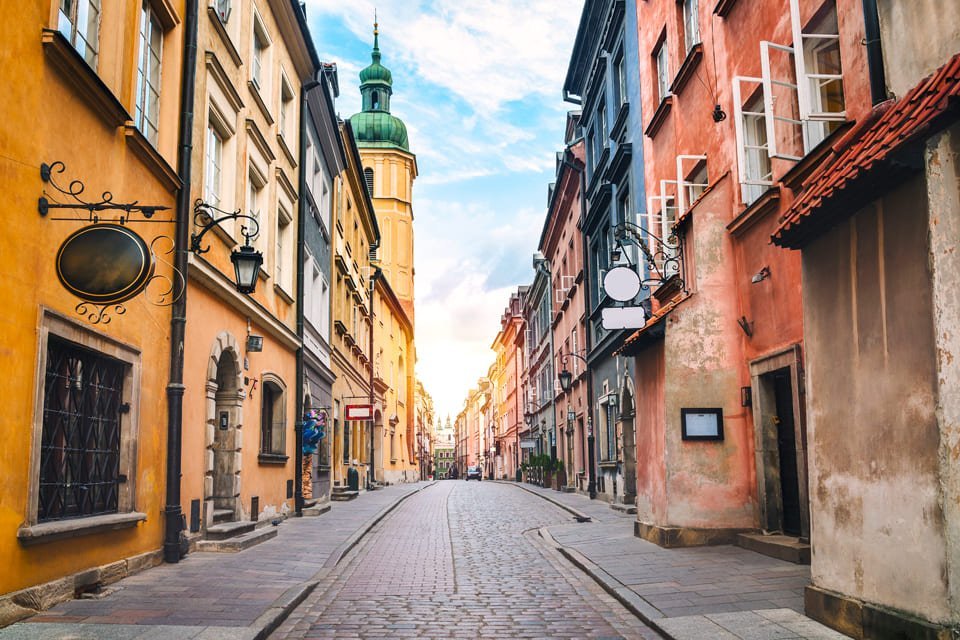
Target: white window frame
{"points": [[74, 22], [213, 165], [752, 183], [806, 77], [286, 106], [661, 56], [683, 186], [691, 23], [769, 100], [260, 58], [283, 260], [145, 119], [256, 186]]}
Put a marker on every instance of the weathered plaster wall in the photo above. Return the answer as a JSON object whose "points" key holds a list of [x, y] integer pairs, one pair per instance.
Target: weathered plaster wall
{"points": [[876, 513], [917, 36], [943, 195], [651, 462]]}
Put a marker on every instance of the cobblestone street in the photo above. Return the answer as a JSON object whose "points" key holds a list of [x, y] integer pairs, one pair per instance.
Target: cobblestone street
{"points": [[461, 560]]}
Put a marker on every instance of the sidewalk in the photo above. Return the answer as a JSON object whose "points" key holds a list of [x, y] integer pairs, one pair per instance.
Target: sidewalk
{"points": [[221, 596], [717, 592]]}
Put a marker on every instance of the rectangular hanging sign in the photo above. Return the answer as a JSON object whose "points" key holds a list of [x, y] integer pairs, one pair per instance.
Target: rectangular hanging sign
{"points": [[358, 412]]}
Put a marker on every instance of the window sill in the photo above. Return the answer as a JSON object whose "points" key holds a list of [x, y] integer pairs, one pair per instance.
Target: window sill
{"points": [[63, 529], [608, 464], [224, 36], [277, 459], [75, 70], [724, 7], [620, 122], [766, 204], [281, 291], [687, 69], [282, 141], [149, 155], [255, 92], [659, 117]]}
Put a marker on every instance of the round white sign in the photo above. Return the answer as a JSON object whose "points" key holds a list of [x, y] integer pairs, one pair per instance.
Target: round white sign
{"points": [[622, 284]]}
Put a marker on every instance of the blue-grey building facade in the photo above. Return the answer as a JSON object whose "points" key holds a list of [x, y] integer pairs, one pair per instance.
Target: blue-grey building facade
{"points": [[603, 79], [323, 158]]}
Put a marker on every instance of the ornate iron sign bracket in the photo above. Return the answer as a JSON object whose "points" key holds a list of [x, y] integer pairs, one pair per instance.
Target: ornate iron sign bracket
{"points": [[94, 209], [203, 218], [664, 261]]}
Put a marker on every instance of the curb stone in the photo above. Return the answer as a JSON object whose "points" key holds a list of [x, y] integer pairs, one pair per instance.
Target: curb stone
{"points": [[579, 515], [633, 602]]}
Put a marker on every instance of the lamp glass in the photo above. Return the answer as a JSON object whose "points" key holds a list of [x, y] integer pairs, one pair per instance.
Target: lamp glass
{"points": [[246, 262], [566, 380]]}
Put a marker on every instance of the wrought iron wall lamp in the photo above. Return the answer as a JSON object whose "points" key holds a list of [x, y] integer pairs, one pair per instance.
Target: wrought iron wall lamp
{"points": [[246, 259]]}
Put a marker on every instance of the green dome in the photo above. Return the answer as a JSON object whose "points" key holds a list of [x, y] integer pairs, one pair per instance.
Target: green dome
{"points": [[379, 129], [374, 126]]}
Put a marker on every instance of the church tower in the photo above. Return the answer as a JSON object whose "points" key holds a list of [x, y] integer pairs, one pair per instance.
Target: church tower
{"points": [[389, 170]]}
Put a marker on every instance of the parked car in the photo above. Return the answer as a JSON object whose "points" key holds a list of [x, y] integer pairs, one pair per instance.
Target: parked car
{"points": [[474, 472]]}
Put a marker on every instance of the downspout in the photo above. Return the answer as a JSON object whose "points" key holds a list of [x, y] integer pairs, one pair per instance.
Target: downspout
{"points": [[173, 516], [374, 274], [878, 80], [301, 290], [591, 454]]}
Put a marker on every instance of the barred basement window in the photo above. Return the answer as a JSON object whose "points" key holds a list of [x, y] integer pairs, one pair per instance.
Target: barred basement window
{"points": [[80, 443], [368, 178]]}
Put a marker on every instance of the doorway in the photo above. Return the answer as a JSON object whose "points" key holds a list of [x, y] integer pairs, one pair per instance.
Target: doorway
{"points": [[225, 399], [780, 442], [626, 414]]}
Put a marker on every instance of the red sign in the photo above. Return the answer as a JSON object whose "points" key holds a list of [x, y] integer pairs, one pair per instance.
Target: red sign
{"points": [[359, 412]]}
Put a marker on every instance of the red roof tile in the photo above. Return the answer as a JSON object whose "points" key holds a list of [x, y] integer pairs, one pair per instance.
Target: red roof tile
{"points": [[865, 150]]}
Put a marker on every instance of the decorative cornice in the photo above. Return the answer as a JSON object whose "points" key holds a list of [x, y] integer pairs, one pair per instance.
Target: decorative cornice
{"points": [[217, 72]]}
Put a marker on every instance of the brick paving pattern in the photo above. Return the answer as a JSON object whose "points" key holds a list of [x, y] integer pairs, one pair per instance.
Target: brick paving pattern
{"points": [[718, 592], [462, 560]]}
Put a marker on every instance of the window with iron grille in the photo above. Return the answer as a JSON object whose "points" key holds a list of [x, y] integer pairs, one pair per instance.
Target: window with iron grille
{"points": [[80, 443]]}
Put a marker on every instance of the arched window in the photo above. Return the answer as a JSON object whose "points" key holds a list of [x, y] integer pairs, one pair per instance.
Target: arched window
{"points": [[375, 100], [368, 178]]}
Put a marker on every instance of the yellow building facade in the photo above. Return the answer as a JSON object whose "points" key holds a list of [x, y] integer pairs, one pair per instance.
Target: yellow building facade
{"points": [[356, 236], [96, 87], [238, 450], [389, 170]]}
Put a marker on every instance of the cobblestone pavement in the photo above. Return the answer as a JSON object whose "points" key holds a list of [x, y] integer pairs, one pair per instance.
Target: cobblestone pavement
{"points": [[461, 560]]}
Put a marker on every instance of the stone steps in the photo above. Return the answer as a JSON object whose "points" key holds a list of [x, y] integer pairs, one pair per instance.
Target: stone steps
{"points": [[782, 547], [222, 515], [624, 508], [342, 495], [238, 542], [226, 530], [316, 509]]}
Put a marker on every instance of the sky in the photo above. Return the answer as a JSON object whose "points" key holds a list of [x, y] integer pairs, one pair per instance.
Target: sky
{"points": [[479, 85]]}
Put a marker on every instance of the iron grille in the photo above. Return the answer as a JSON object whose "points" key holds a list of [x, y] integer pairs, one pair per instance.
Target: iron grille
{"points": [[80, 446]]}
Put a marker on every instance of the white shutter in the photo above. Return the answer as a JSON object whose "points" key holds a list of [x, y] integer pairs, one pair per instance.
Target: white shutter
{"points": [[682, 183], [744, 146]]}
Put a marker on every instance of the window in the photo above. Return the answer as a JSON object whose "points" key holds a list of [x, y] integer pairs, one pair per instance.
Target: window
{"points": [[79, 22], [212, 171], [600, 129], [753, 152], [620, 79], [375, 100], [287, 110], [661, 62], [259, 70], [80, 446], [272, 419], [368, 179], [691, 23], [284, 259], [255, 186], [819, 73], [611, 431], [148, 73]]}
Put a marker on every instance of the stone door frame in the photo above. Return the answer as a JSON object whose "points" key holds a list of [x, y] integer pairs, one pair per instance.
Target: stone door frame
{"points": [[626, 415], [766, 452], [224, 343]]}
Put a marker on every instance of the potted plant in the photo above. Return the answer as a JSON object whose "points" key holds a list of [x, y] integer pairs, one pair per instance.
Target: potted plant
{"points": [[561, 476]]}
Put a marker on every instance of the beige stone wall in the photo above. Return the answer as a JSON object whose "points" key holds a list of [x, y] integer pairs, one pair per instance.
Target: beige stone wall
{"points": [[875, 497], [917, 37]]}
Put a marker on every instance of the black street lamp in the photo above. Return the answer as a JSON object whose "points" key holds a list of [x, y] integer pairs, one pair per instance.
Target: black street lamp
{"points": [[566, 383], [246, 260], [566, 380]]}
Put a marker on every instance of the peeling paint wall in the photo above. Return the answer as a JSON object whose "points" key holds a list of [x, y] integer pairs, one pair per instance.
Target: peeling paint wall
{"points": [[877, 529], [943, 194], [917, 37]]}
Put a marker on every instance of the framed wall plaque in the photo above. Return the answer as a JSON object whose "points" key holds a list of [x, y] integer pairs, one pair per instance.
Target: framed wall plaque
{"points": [[701, 424]]}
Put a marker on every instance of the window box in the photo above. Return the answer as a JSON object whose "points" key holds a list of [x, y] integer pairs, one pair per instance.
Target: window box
{"points": [[687, 69], [659, 117]]}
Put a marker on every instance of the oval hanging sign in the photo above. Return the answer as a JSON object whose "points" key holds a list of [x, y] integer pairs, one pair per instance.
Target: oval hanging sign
{"points": [[104, 264]]}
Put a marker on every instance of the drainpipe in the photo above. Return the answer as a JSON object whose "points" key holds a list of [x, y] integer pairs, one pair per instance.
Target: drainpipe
{"points": [[374, 274], [173, 516], [301, 291], [878, 80], [591, 453]]}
